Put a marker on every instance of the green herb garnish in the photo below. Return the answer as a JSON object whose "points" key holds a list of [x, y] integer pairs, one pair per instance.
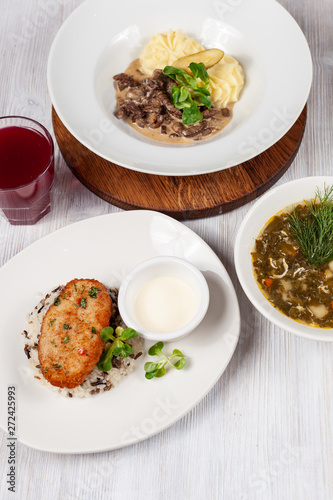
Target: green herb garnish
{"points": [[83, 303], [314, 231], [52, 321], [66, 339], [116, 345], [56, 366], [93, 292], [56, 301], [188, 94], [67, 327], [157, 369], [93, 329]]}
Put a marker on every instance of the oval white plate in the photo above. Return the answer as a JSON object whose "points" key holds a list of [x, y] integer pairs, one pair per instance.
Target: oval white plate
{"points": [[100, 38], [272, 202], [106, 248]]}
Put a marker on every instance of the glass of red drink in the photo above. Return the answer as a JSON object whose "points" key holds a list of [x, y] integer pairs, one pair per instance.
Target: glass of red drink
{"points": [[26, 169]]}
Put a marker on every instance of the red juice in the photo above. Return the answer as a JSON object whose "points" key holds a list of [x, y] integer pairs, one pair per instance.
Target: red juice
{"points": [[26, 173]]}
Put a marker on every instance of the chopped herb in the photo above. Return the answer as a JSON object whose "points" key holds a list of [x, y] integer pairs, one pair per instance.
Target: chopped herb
{"points": [[53, 343], [93, 292], [56, 366], [67, 327], [75, 287], [64, 295], [46, 369], [66, 339], [56, 301], [83, 303], [157, 369], [116, 345], [52, 321], [93, 329]]}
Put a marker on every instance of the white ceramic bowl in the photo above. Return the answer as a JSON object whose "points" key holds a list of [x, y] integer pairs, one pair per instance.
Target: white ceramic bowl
{"points": [[156, 267], [268, 205], [100, 39]]}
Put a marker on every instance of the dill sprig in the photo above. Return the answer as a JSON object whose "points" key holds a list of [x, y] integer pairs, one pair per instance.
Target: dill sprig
{"points": [[314, 230]]}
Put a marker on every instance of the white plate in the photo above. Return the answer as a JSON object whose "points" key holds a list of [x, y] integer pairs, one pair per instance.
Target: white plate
{"points": [[100, 38], [106, 248], [272, 202]]}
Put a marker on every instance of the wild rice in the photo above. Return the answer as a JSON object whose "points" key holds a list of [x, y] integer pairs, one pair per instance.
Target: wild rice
{"points": [[97, 381]]}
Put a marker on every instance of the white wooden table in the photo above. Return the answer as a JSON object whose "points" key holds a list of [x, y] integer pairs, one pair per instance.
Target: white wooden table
{"points": [[265, 431]]}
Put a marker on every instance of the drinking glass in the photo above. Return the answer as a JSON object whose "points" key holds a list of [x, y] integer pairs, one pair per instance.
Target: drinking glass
{"points": [[26, 169]]}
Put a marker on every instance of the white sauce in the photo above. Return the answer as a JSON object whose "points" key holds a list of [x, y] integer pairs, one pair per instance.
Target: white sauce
{"points": [[165, 303]]}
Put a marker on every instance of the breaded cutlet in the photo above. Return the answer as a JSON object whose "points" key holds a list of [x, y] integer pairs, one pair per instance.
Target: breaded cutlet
{"points": [[70, 344]]}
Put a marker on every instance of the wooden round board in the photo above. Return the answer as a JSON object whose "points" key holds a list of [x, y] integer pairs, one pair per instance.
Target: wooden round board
{"points": [[183, 197]]}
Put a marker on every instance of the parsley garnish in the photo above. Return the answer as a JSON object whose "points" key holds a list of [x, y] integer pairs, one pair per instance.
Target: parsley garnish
{"points": [[83, 303], [93, 292]]}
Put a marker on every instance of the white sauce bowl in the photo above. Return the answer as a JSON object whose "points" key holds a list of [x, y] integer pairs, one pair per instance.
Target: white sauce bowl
{"points": [[157, 287]]}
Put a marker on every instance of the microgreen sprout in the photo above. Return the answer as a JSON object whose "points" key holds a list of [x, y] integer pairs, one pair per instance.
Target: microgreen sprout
{"points": [[116, 345], [157, 369], [189, 93]]}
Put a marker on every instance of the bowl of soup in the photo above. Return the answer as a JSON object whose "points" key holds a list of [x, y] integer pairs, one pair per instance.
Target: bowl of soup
{"points": [[276, 265]]}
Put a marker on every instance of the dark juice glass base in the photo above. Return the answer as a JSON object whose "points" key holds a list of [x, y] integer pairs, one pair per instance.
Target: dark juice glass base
{"points": [[28, 216]]}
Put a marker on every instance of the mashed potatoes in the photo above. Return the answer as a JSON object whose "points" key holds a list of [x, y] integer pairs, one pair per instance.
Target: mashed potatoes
{"points": [[226, 81], [163, 49], [226, 77]]}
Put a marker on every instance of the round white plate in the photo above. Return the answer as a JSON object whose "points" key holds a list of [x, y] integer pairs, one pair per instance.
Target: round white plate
{"points": [[100, 38], [106, 248], [268, 205]]}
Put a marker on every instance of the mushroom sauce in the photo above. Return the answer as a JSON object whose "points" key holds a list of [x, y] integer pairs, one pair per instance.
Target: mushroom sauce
{"points": [[145, 103], [295, 287]]}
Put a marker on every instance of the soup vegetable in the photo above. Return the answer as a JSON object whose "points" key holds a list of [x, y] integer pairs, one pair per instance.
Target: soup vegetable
{"points": [[293, 261]]}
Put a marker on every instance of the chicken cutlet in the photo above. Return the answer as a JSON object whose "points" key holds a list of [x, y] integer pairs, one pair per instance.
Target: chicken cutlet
{"points": [[70, 344]]}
